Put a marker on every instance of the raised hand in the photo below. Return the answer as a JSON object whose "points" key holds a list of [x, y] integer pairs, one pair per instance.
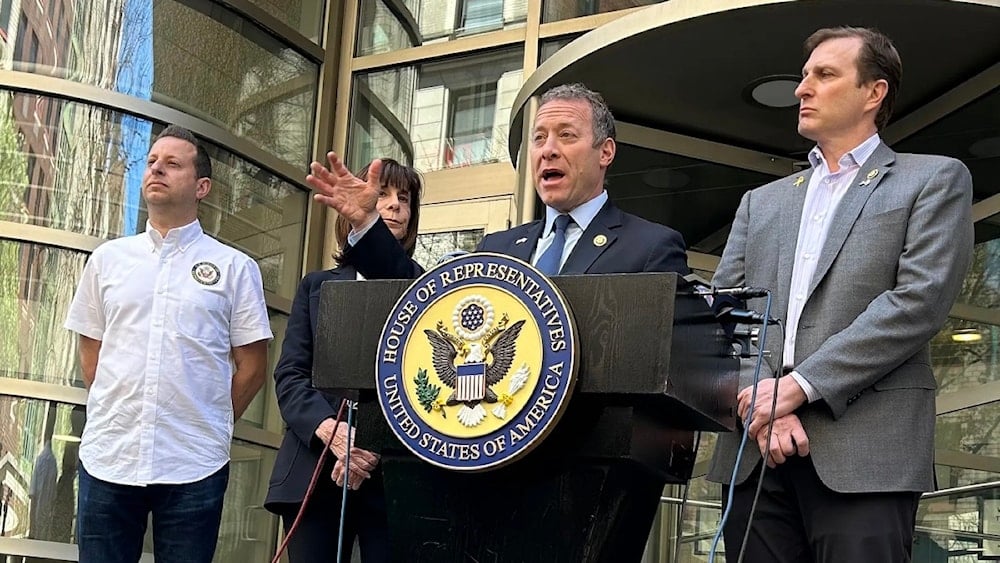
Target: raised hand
{"points": [[349, 195]]}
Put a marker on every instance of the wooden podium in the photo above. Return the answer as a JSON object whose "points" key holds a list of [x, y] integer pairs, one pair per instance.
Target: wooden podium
{"points": [[653, 369]]}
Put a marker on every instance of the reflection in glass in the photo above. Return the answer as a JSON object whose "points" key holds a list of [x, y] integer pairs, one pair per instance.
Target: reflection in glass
{"points": [[81, 171], [305, 16], [698, 523], [982, 283], [381, 30], [370, 139], [196, 57], [551, 46], [448, 113], [380, 112], [263, 410], [248, 532], [958, 528], [441, 21], [40, 445], [36, 287], [386, 25], [971, 435], [555, 10], [432, 247], [966, 354]]}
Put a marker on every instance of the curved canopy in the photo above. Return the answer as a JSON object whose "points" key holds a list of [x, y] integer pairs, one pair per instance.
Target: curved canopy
{"points": [[685, 66], [678, 76]]}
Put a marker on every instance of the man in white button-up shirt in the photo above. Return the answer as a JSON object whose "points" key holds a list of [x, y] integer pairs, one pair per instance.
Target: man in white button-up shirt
{"points": [[865, 253], [173, 345]]}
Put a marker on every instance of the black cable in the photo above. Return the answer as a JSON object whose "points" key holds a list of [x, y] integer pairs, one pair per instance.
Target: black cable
{"points": [[767, 448]]}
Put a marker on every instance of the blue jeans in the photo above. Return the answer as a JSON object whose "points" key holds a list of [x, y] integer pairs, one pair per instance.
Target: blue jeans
{"points": [[111, 519]]}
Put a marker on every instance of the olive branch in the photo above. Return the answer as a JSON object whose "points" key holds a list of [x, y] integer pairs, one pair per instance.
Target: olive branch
{"points": [[427, 394]]}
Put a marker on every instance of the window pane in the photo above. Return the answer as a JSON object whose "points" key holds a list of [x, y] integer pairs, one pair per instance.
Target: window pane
{"points": [[263, 410], [972, 436], [552, 46], [37, 284], [434, 247], [482, 15], [385, 26], [248, 532], [949, 528], [379, 117], [965, 353], [305, 16], [555, 10], [444, 113], [79, 168], [196, 57], [41, 440], [381, 30], [41, 445]]}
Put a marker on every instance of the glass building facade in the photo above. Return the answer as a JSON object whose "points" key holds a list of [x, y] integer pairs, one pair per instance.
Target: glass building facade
{"points": [[271, 85]]}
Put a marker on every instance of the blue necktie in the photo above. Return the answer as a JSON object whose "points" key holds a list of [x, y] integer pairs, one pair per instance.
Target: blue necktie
{"points": [[548, 262]]}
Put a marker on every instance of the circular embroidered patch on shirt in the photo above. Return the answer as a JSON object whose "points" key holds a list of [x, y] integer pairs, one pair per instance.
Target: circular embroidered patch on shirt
{"points": [[206, 273]]}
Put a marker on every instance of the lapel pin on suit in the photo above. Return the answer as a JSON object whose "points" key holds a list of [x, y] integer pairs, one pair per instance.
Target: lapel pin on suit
{"points": [[600, 240], [799, 180], [521, 240], [869, 177]]}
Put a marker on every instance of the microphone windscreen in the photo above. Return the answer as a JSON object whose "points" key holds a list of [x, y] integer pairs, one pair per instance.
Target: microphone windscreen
{"points": [[725, 303]]}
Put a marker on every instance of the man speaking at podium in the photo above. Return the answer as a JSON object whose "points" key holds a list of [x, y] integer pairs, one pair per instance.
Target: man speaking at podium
{"points": [[571, 147], [865, 253]]}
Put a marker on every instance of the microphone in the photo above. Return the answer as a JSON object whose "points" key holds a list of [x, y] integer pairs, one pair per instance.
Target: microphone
{"points": [[737, 292], [729, 308], [744, 316]]}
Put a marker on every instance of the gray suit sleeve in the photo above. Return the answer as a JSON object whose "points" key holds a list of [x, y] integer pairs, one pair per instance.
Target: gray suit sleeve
{"points": [[731, 273], [731, 270], [899, 322]]}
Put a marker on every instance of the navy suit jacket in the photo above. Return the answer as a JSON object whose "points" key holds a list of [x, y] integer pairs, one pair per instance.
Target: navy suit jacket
{"points": [[302, 406], [630, 244]]}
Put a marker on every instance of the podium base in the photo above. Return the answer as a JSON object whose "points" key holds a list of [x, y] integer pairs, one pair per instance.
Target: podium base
{"points": [[557, 504], [560, 512]]}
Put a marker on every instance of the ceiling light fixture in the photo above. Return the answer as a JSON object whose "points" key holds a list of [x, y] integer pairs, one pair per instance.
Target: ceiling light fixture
{"points": [[966, 335], [665, 179], [775, 91]]}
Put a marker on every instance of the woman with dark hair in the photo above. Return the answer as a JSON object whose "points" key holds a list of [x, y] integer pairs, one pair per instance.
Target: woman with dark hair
{"points": [[310, 415]]}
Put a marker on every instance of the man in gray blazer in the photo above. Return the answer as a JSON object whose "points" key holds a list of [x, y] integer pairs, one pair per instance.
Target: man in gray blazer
{"points": [[865, 253]]}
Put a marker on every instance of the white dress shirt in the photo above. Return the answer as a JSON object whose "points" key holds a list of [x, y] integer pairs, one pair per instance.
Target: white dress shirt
{"points": [[168, 311], [825, 191], [582, 216]]}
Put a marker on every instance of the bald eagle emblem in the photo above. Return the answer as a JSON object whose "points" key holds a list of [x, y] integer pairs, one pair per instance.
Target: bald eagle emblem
{"points": [[475, 358]]}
